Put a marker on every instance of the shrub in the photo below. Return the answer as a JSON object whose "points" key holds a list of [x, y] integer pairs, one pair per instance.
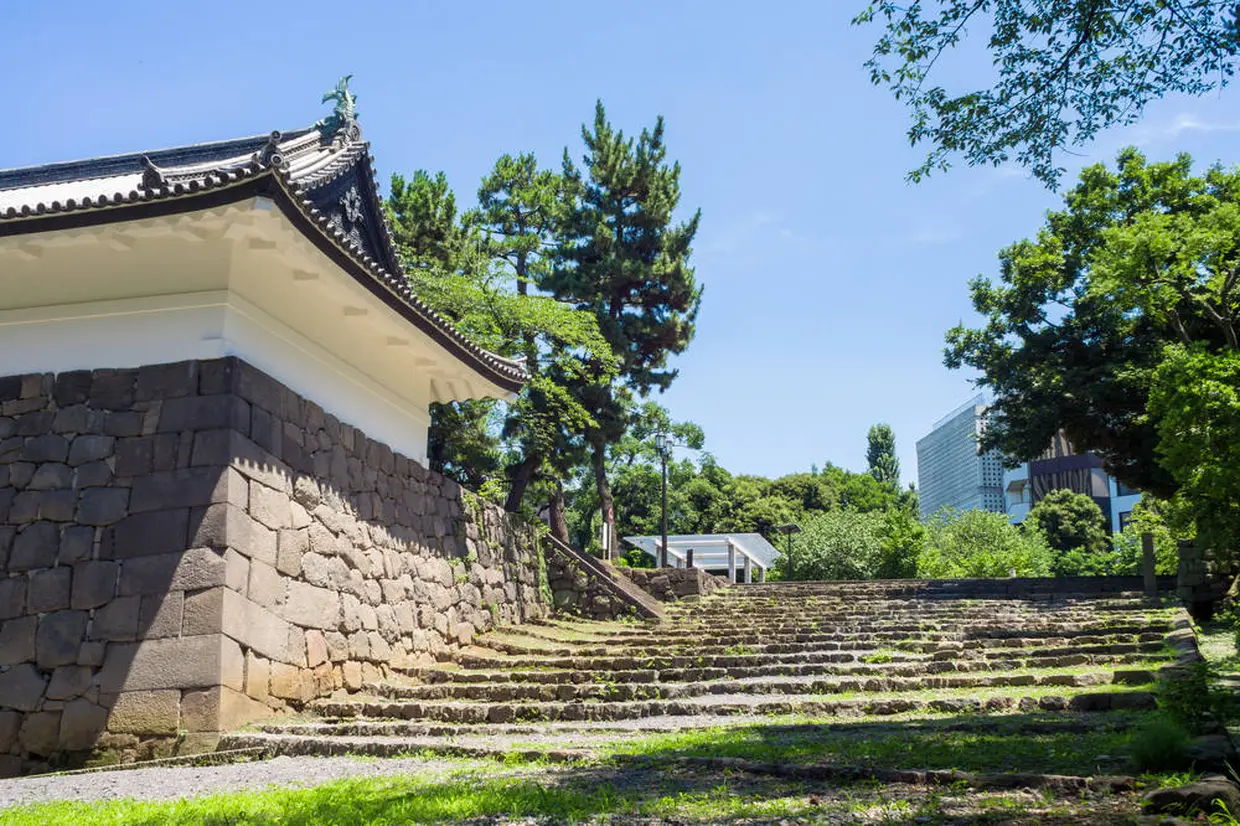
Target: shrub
{"points": [[1077, 562], [1159, 744], [838, 544], [977, 543], [1070, 521]]}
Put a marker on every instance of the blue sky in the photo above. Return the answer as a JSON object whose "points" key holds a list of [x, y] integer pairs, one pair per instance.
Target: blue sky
{"points": [[829, 280]]}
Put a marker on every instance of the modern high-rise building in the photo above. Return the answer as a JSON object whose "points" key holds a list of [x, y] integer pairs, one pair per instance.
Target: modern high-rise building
{"points": [[1062, 467], [951, 472]]}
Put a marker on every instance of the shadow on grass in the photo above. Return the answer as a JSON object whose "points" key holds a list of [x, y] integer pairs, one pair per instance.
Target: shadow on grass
{"points": [[644, 780]]}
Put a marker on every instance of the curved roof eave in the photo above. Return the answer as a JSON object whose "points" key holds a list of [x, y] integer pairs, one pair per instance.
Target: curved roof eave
{"points": [[206, 184]]}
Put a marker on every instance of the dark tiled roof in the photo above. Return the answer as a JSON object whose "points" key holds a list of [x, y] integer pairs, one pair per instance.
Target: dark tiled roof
{"points": [[323, 186]]}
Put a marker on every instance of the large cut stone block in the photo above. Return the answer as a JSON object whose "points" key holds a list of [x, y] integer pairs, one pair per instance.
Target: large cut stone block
{"points": [[188, 487], [166, 381], [312, 607], [185, 662], [17, 640], [81, 723], [117, 621], [254, 626], [270, 507], [266, 585], [203, 612], [21, 688], [49, 590], [59, 638], [187, 571], [160, 615], [50, 447], [90, 448], [35, 546], [12, 598], [112, 389], [94, 583], [219, 709], [204, 413], [102, 506], [146, 534], [146, 712], [290, 682], [69, 681], [40, 733]]}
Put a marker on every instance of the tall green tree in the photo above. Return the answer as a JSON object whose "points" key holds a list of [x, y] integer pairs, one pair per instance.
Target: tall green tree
{"points": [[1077, 323], [1065, 69], [1070, 521], [521, 209], [477, 269], [443, 260], [880, 454], [1196, 399], [625, 259]]}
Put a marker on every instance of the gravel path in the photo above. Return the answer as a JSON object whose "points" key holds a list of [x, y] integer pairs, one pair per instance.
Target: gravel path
{"points": [[191, 781]]}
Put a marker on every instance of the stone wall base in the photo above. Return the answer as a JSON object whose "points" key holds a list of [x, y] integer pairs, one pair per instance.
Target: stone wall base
{"points": [[671, 584], [188, 547]]}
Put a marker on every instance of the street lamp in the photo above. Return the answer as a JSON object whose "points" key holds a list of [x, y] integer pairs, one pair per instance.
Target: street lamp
{"points": [[788, 530], [663, 445]]}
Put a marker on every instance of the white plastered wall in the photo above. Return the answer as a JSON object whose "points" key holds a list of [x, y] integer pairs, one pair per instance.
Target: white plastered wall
{"points": [[234, 281]]}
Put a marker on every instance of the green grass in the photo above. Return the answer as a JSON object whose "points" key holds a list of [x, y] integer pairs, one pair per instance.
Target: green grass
{"points": [[361, 802], [580, 795], [1000, 747]]}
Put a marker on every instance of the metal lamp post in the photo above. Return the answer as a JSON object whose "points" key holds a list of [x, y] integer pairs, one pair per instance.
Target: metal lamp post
{"points": [[788, 530], [661, 445]]}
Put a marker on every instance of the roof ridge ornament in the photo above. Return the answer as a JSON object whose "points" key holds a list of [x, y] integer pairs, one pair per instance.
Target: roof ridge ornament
{"points": [[152, 175], [342, 122], [269, 154]]}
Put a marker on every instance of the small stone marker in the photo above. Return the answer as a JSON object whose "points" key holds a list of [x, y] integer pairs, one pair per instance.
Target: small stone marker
{"points": [[1147, 565]]}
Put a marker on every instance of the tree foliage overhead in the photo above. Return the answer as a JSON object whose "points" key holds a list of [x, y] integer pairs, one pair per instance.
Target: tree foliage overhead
{"points": [[1064, 69], [1140, 257], [1196, 398]]}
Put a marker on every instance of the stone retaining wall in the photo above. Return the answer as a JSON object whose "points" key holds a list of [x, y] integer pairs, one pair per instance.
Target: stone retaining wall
{"points": [[671, 584], [587, 587], [1199, 583], [188, 547]]}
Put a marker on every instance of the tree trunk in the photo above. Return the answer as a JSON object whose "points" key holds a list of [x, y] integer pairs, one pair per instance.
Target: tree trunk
{"points": [[556, 508], [521, 480], [598, 459]]}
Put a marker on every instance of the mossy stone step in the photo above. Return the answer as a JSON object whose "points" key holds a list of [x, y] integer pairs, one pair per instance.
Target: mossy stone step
{"points": [[499, 692], [457, 712]]}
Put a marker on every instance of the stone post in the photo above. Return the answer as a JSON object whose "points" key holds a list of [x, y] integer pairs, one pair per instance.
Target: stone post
{"points": [[1147, 565], [689, 558], [748, 569], [731, 562]]}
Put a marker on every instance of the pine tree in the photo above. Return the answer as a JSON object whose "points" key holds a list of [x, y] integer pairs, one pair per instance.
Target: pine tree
{"points": [[481, 270], [624, 259], [521, 210], [880, 454]]}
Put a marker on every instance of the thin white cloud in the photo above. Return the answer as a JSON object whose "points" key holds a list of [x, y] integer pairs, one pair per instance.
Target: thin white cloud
{"points": [[933, 234], [1181, 124]]}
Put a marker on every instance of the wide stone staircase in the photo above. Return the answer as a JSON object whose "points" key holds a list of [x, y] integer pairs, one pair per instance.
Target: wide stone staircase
{"points": [[753, 654]]}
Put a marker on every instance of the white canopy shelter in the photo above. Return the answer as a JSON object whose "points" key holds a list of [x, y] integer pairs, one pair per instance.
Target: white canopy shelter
{"points": [[737, 553]]}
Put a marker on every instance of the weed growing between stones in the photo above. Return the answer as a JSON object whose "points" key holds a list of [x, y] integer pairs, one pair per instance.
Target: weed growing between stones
{"points": [[1160, 744], [1194, 700]]}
